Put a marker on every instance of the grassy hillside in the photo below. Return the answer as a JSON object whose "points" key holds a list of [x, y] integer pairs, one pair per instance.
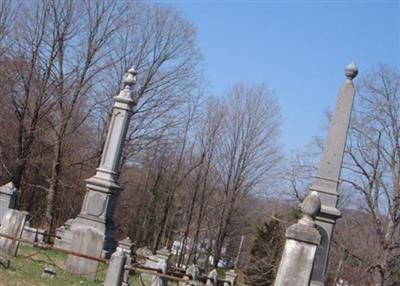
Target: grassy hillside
{"points": [[26, 270]]}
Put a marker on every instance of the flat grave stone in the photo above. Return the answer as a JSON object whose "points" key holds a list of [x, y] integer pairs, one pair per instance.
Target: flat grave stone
{"points": [[12, 225], [89, 241]]}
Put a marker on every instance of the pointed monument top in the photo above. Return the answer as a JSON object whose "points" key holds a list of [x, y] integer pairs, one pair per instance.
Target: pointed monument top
{"points": [[129, 78], [351, 71]]}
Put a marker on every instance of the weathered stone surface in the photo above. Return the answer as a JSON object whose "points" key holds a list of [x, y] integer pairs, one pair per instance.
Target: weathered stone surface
{"points": [[296, 264], [65, 234], [194, 271], [32, 234], [303, 233], [89, 241], [115, 269], [160, 262], [212, 278], [12, 224], [327, 179], [302, 240], [8, 195], [126, 245], [230, 276], [127, 271]]}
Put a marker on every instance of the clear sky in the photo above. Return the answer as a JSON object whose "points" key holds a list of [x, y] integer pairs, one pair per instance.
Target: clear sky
{"points": [[298, 48]]}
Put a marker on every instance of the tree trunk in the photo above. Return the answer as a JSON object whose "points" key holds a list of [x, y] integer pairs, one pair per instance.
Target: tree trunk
{"points": [[52, 191], [189, 220], [163, 221]]}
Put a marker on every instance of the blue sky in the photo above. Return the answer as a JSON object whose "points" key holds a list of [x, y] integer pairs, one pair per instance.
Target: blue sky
{"points": [[299, 49]]}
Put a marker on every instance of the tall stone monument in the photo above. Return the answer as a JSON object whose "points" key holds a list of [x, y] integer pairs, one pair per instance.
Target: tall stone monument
{"points": [[327, 179], [103, 188]]}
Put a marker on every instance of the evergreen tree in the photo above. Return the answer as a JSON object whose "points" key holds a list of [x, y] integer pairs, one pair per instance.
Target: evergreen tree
{"points": [[266, 254]]}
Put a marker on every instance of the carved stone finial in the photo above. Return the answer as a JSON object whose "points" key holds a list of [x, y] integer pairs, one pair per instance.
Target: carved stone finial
{"points": [[310, 208], [351, 71], [129, 78]]}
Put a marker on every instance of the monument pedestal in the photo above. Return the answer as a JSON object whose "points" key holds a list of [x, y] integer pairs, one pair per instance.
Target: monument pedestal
{"points": [[98, 208], [302, 239]]}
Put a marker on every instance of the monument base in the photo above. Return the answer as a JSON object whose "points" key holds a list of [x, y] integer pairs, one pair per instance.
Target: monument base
{"points": [[97, 210]]}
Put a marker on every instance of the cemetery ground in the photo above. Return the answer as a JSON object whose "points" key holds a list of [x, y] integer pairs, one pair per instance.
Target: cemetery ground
{"points": [[26, 269]]}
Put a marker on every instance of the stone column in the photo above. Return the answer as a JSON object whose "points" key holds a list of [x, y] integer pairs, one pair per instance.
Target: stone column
{"points": [[301, 244], [327, 179], [103, 188]]}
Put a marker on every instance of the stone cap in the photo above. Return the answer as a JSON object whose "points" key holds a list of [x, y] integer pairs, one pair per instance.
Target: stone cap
{"points": [[126, 244], [128, 81], [310, 208], [351, 71], [304, 230], [303, 233]]}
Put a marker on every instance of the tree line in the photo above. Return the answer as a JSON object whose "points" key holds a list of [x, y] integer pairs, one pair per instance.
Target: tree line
{"points": [[197, 168], [190, 159]]}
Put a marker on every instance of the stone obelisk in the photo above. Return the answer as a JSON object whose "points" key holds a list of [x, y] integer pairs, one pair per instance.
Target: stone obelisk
{"points": [[103, 188], [327, 179]]}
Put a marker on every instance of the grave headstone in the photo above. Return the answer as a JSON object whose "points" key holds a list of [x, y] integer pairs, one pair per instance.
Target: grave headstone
{"points": [[12, 225], [159, 261], [115, 269], [89, 241], [126, 245], [212, 279], [194, 271], [127, 271], [65, 234], [231, 277], [8, 196], [142, 254], [32, 234]]}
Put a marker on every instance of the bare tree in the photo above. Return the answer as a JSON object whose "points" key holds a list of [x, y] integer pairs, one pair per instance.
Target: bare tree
{"points": [[82, 57], [199, 191], [247, 152], [7, 14], [373, 162], [30, 67], [160, 43]]}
